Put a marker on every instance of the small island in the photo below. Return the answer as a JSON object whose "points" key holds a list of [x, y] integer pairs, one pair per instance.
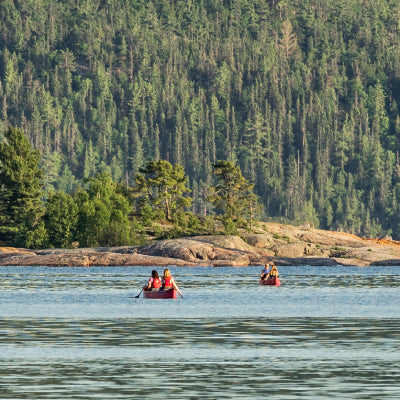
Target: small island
{"points": [[108, 224], [161, 115], [283, 244]]}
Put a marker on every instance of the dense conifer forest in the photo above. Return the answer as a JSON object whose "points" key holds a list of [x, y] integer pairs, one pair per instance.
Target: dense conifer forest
{"points": [[303, 96]]}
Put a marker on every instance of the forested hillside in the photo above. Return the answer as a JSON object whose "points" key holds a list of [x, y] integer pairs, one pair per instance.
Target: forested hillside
{"points": [[303, 95]]}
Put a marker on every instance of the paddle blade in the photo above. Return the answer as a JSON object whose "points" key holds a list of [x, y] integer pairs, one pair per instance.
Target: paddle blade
{"points": [[177, 289]]}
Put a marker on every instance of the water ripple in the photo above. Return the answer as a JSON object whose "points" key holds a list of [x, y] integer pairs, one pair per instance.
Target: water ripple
{"points": [[78, 334]]}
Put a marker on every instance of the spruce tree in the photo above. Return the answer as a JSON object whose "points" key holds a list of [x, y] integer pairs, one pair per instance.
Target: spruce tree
{"points": [[21, 208]]}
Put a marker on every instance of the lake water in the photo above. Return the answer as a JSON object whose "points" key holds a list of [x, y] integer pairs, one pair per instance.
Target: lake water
{"points": [[79, 333]]}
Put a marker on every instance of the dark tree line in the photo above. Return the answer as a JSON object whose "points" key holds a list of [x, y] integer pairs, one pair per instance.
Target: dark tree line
{"points": [[301, 95], [101, 212]]}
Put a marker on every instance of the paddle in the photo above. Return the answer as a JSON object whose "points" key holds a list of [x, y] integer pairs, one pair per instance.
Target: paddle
{"points": [[136, 297], [177, 289]]}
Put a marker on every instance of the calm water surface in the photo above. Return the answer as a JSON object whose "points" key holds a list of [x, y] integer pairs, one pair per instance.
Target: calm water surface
{"points": [[79, 333]]}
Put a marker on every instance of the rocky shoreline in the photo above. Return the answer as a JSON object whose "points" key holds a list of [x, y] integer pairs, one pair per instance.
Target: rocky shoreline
{"points": [[283, 244]]}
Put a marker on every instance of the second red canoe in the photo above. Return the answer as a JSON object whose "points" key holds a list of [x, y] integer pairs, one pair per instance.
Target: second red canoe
{"points": [[271, 282], [160, 294]]}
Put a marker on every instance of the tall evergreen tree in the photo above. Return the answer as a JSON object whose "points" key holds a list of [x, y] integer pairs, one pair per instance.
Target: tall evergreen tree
{"points": [[163, 185], [21, 208], [233, 195]]}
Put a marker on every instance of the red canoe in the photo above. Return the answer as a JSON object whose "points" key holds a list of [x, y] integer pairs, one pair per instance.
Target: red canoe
{"points": [[271, 282], [160, 294]]}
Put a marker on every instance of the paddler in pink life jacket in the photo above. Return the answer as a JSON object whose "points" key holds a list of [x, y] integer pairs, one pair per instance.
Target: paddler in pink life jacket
{"points": [[154, 282]]}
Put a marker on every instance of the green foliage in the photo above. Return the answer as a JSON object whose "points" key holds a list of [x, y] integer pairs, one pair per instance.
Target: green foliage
{"points": [[21, 209], [163, 186], [303, 96], [284, 237], [147, 215], [230, 227], [61, 219], [103, 217], [32, 237], [232, 196]]}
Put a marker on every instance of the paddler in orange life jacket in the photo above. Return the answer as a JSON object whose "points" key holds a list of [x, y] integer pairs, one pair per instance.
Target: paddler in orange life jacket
{"points": [[154, 282], [168, 281]]}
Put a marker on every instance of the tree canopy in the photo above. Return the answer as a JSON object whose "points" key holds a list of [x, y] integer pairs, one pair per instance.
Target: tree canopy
{"points": [[21, 208], [232, 196], [303, 96], [163, 187]]}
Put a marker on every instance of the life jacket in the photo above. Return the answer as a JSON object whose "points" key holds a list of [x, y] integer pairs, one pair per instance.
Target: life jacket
{"points": [[274, 273], [168, 282], [156, 284]]}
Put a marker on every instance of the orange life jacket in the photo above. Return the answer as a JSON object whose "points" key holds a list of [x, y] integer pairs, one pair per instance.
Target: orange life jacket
{"points": [[156, 284], [168, 282]]}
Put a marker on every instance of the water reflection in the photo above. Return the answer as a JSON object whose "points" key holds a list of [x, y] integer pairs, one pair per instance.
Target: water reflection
{"points": [[217, 380], [261, 333]]}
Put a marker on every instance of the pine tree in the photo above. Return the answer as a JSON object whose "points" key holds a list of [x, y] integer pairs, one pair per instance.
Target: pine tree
{"points": [[233, 195], [164, 186]]}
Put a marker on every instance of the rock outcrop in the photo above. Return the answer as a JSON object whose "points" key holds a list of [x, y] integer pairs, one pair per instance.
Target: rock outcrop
{"points": [[283, 244]]}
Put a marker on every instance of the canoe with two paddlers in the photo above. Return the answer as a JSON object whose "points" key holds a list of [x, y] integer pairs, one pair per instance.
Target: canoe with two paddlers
{"points": [[160, 294], [273, 281]]}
